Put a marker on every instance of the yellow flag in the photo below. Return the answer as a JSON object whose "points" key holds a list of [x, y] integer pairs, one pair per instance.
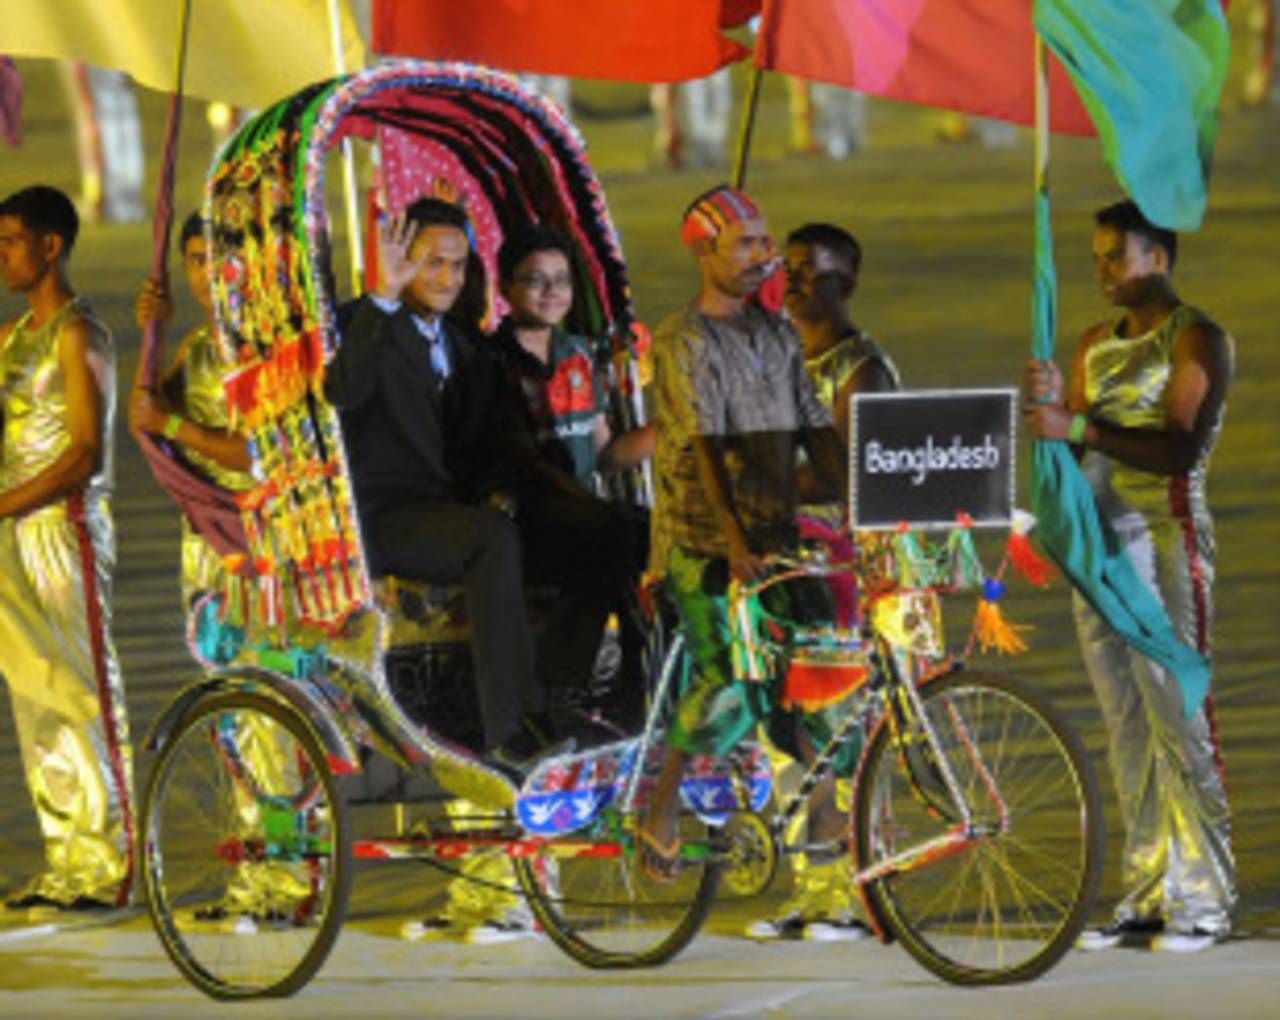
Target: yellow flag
{"points": [[245, 52]]}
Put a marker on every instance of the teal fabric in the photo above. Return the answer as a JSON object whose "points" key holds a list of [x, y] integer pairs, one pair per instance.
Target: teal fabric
{"points": [[1150, 73], [717, 710]]}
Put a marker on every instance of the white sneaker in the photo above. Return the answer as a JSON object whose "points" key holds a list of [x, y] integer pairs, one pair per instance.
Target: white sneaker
{"points": [[428, 928], [1194, 941], [494, 932], [836, 929], [769, 929], [1130, 934]]}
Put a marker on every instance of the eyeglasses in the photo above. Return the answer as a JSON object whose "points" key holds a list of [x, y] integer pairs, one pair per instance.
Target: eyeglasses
{"points": [[536, 281]]}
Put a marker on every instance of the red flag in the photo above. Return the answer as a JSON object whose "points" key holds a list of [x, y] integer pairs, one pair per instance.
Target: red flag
{"points": [[624, 40], [975, 56]]}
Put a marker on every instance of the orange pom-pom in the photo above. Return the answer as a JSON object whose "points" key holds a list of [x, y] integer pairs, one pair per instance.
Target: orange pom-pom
{"points": [[993, 631]]}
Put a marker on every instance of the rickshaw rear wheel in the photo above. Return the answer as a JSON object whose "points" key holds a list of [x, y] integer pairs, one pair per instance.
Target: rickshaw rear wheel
{"points": [[245, 848], [593, 901]]}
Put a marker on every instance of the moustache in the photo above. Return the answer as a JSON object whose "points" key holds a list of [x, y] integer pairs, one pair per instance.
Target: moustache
{"points": [[766, 268]]}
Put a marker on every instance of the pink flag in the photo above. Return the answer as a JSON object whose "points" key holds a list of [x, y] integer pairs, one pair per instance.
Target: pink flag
{"points": [[10, 102], [974, 56]]}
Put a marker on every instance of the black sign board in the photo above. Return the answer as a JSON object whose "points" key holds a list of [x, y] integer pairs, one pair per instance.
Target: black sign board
{"points": [[924, 457]]}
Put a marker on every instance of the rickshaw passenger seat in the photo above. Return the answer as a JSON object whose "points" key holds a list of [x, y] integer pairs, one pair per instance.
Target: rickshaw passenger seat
{"points": [[421, 612], [424, 612]]}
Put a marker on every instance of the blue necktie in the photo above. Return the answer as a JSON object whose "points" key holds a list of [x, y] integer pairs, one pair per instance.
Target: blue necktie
{"points": [[433, 333]]}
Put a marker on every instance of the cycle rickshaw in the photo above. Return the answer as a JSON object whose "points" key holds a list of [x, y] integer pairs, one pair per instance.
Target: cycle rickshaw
{"points": [[976, 818]]}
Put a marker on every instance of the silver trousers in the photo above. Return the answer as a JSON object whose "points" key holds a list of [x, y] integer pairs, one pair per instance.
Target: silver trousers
{"points": [[1178, 864]]}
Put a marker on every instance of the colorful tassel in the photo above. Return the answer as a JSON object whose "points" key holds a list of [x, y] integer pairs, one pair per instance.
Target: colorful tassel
{"points": [[909, 565], [991, 629], [1022, 554], [966, 568]]}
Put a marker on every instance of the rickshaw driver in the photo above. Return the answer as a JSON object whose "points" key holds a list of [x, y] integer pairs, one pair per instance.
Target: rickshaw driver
{"points": [[436, 460], [733, 405]]}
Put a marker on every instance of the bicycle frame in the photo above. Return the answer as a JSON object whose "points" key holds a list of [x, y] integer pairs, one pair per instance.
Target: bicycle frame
{"points": [[892, 689]]}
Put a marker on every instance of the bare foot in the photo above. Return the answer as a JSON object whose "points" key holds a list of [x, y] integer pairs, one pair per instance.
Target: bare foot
{"points": [[657, 842]]}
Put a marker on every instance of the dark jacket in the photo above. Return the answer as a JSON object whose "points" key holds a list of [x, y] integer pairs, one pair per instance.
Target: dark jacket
{"points": [[404, 437]]}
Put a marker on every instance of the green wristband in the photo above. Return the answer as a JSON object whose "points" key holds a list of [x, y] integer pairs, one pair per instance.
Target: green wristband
{"points": [[1075, 433], [171, 426]]}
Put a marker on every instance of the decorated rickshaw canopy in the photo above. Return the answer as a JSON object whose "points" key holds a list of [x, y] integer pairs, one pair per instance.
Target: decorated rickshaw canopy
{"points": [[508, 155], [455, 131]]}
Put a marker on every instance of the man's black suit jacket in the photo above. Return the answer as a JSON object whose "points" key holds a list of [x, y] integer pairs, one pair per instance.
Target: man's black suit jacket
{"points": [[408, 438]]}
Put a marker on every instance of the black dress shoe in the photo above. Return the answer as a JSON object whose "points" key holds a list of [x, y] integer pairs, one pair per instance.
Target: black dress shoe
{"points": [[521, 753], [39, 901]]}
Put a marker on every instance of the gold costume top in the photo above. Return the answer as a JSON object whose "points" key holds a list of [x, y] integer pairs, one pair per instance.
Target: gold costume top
{"points": [[831, 371], [33, 393], [1124, 384], [205, 404], [833, 368]]}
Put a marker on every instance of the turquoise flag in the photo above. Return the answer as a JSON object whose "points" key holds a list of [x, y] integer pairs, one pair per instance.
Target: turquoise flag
{"points": [[1150, 73]]}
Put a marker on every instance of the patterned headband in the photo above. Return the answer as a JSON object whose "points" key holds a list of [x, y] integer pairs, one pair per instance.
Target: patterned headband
{"points": [[712, 212]]}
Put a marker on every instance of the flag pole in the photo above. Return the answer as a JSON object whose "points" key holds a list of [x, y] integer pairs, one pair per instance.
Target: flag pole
{"points": [[354, 239], [162, 218], [1044, 296], [744, 132], [1042, 116]]}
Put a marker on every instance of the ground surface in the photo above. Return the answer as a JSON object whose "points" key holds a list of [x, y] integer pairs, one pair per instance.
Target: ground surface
{"points": [[947, 233]]}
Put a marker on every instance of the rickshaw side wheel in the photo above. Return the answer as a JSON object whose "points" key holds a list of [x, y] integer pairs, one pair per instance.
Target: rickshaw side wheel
{"points": [[245, 848], [594, 903]]}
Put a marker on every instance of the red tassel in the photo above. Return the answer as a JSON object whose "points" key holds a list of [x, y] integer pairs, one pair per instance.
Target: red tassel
{"points": [[1029, 563]]}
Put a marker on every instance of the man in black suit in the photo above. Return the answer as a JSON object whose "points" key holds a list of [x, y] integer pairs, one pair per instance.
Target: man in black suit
{"points": [[437, 461]]}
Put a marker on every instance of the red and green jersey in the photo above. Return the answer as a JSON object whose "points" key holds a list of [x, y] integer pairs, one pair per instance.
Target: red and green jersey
{"points": [[562, 395]]}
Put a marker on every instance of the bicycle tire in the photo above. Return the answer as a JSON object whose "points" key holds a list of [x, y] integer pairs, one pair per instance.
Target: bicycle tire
{"points": [[604, 913], [246, 885], [1007, 907]]}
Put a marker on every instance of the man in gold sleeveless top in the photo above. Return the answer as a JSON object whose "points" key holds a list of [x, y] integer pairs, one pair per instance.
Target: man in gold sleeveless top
{"points": [[57, 553], [822, 264], [189, 406], [1143, 409]]}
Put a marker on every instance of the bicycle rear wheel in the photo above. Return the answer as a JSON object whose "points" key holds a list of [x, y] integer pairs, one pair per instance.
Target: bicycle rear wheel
{"points": [[596, 905], [245, 849], [1005, 903]]}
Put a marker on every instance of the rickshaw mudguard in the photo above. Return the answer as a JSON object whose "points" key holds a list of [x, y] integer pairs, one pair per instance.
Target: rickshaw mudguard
{"points": [[340, 751], [570, 792]]}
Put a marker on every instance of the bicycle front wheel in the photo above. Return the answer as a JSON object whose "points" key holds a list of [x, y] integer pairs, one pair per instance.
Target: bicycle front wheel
{"points": [[246, 857], [993, 889]]}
